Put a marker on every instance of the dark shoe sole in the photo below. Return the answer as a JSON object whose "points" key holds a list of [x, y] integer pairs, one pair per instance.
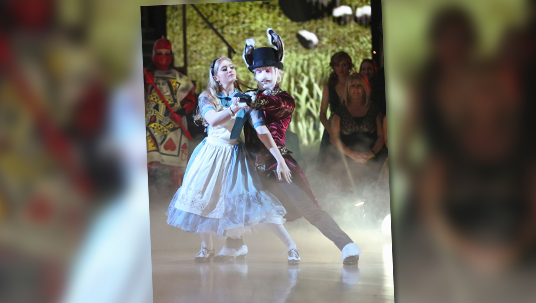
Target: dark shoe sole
{"points": [[352, 260], [202, 260]]}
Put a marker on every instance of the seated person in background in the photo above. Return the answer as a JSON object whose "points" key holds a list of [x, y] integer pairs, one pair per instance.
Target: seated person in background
{"points": [[357, 132]]}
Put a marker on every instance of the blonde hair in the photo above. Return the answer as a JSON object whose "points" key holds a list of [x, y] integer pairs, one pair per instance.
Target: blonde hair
{"points": [[362, 81], [213, 89], [279, 73]]}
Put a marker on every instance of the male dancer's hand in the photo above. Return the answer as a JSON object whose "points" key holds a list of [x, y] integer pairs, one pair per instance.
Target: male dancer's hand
{"points": [[283, 172]]}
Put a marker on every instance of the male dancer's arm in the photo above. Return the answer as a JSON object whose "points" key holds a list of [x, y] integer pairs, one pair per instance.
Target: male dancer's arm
{"points": [[266, 138], [278, 106]]}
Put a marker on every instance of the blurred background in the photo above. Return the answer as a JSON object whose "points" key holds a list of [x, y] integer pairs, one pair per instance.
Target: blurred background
{"points": [[460, 93], [74, 222]]}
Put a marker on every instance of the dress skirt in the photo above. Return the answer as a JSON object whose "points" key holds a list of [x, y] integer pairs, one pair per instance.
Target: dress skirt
{"points": [[222, 193]]}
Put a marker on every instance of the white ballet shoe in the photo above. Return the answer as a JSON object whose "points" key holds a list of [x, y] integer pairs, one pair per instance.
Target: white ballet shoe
{"points": [[350, 254], [293, 257], [226, 254]]}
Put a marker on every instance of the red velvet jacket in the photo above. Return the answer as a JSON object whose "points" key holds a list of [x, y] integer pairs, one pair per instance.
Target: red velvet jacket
{"points": [[277, 108]]}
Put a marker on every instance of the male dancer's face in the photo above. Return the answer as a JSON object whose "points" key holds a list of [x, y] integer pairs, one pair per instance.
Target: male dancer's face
{"points": [[266, 77]]}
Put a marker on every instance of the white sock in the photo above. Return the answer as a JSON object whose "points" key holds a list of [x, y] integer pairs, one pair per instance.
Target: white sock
{"points": [[281, 232], [206, 241]]}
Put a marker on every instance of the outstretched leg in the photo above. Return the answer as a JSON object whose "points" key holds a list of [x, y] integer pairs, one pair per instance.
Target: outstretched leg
{"points": [[317, 217]]}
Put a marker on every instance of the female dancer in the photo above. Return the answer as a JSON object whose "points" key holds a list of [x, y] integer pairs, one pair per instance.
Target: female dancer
{"points": [[221, 192]]}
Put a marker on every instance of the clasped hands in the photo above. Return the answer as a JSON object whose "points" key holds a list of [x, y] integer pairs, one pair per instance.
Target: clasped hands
{"points": [[361, 157], [236, 106]]}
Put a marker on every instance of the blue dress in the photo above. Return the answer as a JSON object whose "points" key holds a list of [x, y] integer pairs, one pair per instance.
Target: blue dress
{"points": [[221, 193]]}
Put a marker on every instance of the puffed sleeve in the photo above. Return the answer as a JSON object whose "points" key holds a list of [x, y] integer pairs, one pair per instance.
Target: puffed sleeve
{"points": [[278, 106], [205, 104]]}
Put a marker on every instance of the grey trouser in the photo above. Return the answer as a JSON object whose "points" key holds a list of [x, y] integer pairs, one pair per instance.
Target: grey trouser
{"points": [[310, 211], [295, 196]]}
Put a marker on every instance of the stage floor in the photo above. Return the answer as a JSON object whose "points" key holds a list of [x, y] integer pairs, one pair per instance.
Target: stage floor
{"points": [[265, 275]]}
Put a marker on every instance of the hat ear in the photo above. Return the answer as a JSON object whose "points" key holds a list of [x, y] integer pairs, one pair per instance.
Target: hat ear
{"points": [[275, 40], [248, 52]]}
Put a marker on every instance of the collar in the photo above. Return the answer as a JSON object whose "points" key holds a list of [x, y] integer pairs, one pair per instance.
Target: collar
{"points": [[226, 100], [222, 96]]}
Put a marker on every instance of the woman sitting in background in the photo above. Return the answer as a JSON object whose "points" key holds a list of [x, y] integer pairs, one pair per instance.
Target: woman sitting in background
{"points": [[357, 132]]}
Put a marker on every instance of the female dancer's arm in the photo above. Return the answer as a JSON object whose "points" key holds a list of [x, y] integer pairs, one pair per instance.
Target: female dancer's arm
{"points": [[324, 109], [336, 140], [215, 118], [266, 138]]}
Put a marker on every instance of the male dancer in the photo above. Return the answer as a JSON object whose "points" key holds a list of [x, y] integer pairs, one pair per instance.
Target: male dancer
{"points": [[297, 197]]}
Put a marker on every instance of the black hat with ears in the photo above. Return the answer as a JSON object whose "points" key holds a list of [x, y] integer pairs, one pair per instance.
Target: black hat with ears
{"points": [[264, 56]]}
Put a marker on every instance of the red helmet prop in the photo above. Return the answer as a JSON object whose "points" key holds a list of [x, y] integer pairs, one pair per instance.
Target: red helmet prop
{"points": [[162, 61]]}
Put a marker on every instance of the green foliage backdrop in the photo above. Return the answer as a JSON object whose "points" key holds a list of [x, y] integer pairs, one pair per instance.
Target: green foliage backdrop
{"points": [[306, 71]]}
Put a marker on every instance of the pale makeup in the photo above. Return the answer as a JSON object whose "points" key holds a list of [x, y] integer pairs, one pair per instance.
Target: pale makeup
{"points": [[266, 77]]}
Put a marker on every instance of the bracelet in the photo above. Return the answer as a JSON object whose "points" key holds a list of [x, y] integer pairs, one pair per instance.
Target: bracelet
{"points": [[232, 113]]}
